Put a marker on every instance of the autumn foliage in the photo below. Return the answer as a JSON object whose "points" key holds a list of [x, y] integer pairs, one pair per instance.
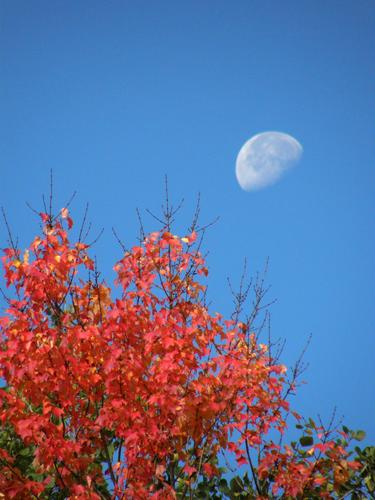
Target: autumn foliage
{"points": [[134, 392]]}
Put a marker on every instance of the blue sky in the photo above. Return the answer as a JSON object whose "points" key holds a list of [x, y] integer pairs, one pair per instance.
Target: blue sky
{"points": [[114, 95]]}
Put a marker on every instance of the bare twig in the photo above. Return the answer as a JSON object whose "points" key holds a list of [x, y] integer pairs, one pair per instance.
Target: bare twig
{"points": [[119, 240]]}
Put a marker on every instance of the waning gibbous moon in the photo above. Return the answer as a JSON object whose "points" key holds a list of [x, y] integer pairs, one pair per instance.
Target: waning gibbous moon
{"points": [[264, 158]]}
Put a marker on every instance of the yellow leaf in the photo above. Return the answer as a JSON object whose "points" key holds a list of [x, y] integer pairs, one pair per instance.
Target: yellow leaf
{"points": [[26, 257]]}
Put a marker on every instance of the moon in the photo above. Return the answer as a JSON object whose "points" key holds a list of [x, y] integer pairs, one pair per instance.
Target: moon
{"points": [[264, 158]]}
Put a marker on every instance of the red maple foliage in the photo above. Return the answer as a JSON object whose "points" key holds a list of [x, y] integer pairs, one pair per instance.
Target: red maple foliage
{"points": [[138, 389]]}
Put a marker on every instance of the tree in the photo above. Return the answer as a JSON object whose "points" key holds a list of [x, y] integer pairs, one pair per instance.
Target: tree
{"points": [[135, 392]]}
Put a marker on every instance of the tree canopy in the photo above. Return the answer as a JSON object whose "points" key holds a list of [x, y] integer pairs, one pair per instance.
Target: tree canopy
{"points": [[136, 392]]}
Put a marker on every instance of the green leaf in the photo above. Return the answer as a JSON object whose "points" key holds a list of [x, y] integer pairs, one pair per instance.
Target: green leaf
{"points": [[306, 441], [223, 487], [37, 477], [201, 494], [311, 423], [111, 449], [369, 483], [246, 479], [359, 435], [26, 452], [236, 485]]}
